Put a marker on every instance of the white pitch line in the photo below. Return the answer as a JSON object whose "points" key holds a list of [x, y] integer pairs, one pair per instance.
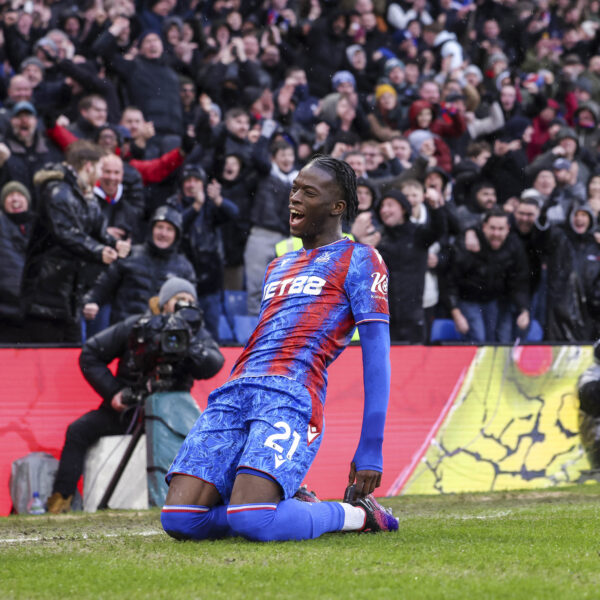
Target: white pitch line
{"points": [[83, 536]]}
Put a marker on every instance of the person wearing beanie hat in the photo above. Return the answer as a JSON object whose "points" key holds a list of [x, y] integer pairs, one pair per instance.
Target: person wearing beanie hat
{"points": [[134, 343], [418, 137], [384, 88], [15, 188], [15, 232], [176, 288], [473, 75], [387, 118], [351, 51], [391, 64], [343, 82]]}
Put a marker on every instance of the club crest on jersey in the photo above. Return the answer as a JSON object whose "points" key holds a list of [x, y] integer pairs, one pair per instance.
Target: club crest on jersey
{"points": [[323, 258], [380, 283], [303, 284]]}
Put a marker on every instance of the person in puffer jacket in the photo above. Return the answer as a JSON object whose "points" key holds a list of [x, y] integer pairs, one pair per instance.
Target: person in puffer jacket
{"points": [[68, 235], [127, 284], [16, 220]]}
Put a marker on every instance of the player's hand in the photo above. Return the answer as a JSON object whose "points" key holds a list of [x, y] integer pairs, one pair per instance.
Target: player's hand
{"points": [[365, 482]]}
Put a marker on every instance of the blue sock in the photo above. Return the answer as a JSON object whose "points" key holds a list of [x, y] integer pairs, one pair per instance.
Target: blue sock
{"points": [[190, 522], [288, 520]]}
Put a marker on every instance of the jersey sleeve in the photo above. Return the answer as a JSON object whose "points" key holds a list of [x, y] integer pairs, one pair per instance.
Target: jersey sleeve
{"points": [[367, 285]]}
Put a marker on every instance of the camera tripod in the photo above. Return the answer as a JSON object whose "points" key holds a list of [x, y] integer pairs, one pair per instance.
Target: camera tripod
{"points": [[136, 434]]}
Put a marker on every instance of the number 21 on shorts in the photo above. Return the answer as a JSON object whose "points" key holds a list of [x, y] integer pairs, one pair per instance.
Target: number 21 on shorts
{"points": [[283, 436]]}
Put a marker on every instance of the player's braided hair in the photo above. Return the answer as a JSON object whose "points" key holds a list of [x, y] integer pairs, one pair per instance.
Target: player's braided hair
{"points": [[345, 178]]}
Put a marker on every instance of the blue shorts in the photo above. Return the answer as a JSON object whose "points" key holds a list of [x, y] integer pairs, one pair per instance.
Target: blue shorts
{"points": [[257, 422]]}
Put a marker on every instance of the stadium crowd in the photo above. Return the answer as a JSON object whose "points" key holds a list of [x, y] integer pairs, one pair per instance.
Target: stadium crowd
{"points": [[141, 140]]}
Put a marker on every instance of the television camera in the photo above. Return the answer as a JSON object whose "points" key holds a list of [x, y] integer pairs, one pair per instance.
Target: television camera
{"points": [[157, 344]]}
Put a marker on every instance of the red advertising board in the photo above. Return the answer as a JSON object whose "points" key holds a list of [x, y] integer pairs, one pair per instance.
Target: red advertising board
{"points": [[460, 418]]}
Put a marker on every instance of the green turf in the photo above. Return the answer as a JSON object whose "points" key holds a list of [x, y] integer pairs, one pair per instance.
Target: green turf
{"points": [[528, 545]]}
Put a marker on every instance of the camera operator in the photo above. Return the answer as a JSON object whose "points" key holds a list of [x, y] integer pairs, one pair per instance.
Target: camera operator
{"points": [[588, 389], [145, 345]]}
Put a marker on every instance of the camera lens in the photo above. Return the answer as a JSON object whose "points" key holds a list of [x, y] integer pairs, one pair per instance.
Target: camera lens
{"points": [[174, 341]]}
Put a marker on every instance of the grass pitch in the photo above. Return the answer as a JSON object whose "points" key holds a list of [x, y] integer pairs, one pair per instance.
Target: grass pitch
{"points": [[528, 545]]}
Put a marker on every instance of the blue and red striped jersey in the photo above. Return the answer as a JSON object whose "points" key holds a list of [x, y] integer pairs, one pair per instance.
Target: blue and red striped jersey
{"points": [[312, 301]]}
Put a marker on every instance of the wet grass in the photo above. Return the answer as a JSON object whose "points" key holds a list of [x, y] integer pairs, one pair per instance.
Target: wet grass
{"points": [[514, 545]]}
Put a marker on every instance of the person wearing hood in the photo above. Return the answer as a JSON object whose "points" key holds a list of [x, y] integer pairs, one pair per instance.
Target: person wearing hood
{"points": [[566, 194], [357, 60], [565, 145], [366, 224], [580, 228], [237, 185], [585, 123], [403, 246], [68, 235], [270, 219], [15, 230], [449, 123], [204, 208], [128, 283]]}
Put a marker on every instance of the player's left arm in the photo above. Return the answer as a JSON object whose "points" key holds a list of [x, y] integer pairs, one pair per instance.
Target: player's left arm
{"points": [[367, 465]]}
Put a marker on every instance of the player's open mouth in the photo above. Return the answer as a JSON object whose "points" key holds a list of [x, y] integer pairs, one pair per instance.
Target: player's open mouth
{"points": [[295, 216]]}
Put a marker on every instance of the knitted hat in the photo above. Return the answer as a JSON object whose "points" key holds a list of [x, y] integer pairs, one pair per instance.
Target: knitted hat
{"points": [[392, 63], [173, 286], [342, 77], [561, 163], [417, 137], [475, 70], [14, 186], [352, 50], [32, 60], [384, 88], [145, 34]]}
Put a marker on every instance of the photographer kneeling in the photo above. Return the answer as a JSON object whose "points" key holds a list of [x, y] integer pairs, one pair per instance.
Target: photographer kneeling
{"points": [[163, 350]]}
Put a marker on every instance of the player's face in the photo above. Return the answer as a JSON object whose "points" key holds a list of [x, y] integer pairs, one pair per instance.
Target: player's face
{"points": [[316, 206]]}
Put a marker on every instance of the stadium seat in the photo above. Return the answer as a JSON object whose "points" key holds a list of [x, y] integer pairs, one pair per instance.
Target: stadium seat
{"points": [[225, 331], [444, 330], [535, 333], [243, 326], [234, 303]]}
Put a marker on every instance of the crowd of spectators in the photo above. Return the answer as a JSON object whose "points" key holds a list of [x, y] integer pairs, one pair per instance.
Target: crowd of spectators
{"points": [[141, 140]]}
